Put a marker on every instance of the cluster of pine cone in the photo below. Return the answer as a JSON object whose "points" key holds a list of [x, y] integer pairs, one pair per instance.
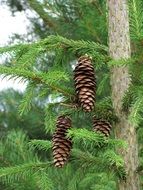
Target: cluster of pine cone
{"points": [[85, 85]]}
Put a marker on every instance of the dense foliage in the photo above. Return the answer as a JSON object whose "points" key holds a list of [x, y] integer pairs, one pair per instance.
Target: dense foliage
{"points": [[47, 66]]}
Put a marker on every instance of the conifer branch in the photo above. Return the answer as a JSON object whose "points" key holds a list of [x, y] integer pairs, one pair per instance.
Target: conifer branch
{"points": [[37, 6], [109, 159], [41, 144], [35, 77], [61, 42], [85, 157], [54, 42], [136, 19], [26, 54], [86, 135], [25, 104], [43, 180], [14, 173]]}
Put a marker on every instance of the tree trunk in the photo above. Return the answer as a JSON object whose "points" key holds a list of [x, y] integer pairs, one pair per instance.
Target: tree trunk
{"points": [[119, 47]]}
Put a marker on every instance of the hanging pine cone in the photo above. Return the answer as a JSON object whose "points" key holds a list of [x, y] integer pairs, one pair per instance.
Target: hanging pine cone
{"points": [[61, 144], [85, 83], [100, 125]]}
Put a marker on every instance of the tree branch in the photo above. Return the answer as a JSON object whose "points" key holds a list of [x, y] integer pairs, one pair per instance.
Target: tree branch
{"points": [[38, 8], [31, 76]]}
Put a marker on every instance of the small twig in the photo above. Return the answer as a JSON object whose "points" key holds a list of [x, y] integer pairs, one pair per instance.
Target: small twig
{"points": [[39, 79], [75, 106]]}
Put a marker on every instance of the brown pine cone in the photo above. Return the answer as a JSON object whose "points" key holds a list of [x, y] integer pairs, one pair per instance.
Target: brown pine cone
{"points": [[61, 144], [85, 83], [102, 126]]}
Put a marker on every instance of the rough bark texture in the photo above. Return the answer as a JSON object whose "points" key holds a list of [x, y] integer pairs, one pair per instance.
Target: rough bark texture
{"points": [[119, 47]]}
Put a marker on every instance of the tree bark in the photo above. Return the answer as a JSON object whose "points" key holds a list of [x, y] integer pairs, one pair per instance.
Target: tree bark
{"points": [[119, 48]]}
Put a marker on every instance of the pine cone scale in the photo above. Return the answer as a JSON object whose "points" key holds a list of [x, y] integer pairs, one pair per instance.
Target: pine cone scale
{"points": [[83, 77], [102, 126]]}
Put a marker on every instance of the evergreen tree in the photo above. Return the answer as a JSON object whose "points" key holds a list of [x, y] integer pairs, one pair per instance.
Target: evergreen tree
{"points": [[47, 65]]}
